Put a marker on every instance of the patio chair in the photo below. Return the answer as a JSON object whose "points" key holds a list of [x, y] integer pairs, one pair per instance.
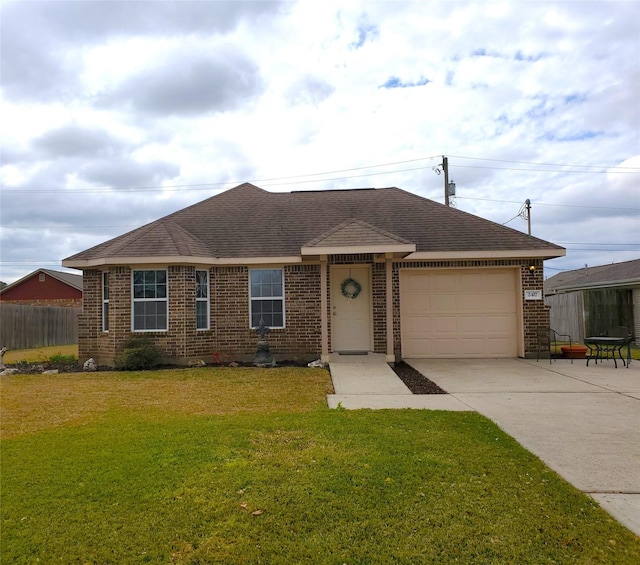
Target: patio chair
{"points": [[618, 331], [548, 341]]}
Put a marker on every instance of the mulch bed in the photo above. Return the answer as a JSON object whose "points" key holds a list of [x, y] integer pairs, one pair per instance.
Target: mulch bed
{"points": [[416, 382]]}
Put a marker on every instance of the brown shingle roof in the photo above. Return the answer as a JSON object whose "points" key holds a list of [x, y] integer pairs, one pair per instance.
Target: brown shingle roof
{"points": [[355, 232], [70, 279], [602, 276], [248, 221]]}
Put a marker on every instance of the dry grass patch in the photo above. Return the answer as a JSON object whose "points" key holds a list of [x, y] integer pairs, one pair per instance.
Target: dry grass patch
{"points": [[32, 403], [39, 354]]}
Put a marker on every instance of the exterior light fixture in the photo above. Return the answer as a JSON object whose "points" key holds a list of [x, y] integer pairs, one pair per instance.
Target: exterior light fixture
{"points": [[532, 269]]}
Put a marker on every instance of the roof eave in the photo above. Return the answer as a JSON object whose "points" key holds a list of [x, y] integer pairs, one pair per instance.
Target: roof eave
{"points": [[400, 250], [595, 286], [488, 254], [177, 260]]}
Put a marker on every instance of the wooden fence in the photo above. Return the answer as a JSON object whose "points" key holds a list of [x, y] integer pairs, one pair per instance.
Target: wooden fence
{"points": [[590, 312], [567, 314], [24, 327]]}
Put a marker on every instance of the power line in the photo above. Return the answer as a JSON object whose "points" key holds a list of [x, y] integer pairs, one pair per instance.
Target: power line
{"points": [[222, 185], [636, 171], [594, 243], [546, 204], [633, 169]]}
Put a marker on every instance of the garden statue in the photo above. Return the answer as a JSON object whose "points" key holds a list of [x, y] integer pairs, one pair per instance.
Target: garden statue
{"points": [[2, 352], [263, 354]]}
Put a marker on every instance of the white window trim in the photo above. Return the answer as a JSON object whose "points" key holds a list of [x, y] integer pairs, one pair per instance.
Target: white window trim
{"points": [[251, 299], [207, 300], [134, 300], [105, 302]]}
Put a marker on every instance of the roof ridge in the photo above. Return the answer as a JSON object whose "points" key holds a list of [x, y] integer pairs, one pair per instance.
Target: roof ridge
{"points": [[191, 239], [357, 221], [69, 279]]}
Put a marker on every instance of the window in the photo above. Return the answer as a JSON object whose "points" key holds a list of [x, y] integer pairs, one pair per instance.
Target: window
{"points": [[202, 300], [105, 302], [266, 293], [149, 300]]}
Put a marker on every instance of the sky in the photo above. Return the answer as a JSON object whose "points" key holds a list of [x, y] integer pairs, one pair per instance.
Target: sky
{"points": [[115, 114]]}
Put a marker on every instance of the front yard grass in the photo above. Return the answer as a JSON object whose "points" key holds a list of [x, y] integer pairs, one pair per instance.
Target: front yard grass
{"points": [[39, 354], [248, 465]]}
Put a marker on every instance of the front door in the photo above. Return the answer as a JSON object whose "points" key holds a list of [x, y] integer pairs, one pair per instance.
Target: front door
{"points": [[351, 308]]}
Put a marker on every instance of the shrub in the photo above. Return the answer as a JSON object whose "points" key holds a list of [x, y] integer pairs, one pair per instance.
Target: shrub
{"points": [[61, 359], [139, 353]]}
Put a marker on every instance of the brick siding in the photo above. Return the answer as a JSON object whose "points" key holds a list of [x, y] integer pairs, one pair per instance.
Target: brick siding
{"points": [[230, 336]]}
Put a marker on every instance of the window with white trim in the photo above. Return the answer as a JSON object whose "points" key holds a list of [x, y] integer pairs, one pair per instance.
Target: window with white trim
{"points": [[105, 301], [202, 300], [266, 297], [150, 300]]}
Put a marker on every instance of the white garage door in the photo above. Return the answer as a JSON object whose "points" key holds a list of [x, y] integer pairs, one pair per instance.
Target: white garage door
{"points": [[459, 313]]}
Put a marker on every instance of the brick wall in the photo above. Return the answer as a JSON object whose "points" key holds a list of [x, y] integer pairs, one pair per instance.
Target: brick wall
{"points": [[379, 295], [231, 337], [301, 338], [89, 319], [535, 312]]}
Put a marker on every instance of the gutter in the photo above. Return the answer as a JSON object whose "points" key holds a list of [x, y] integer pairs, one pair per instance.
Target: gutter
{"points": [[595, 286]]}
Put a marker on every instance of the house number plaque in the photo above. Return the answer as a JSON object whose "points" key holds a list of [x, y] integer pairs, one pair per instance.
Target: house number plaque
{"points": [[533, 295]]}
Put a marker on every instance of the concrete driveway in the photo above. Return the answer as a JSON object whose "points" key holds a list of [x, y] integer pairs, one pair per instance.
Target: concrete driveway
{"points": [[583, 422]]}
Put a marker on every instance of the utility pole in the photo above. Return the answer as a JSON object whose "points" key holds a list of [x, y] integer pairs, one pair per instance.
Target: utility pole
{"points": [[445, 168], [527, 203]]}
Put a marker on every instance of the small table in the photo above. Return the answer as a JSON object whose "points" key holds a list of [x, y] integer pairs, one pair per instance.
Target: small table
{"points": [[606, 347]]}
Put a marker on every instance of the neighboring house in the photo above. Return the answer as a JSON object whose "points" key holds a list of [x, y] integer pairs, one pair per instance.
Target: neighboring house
{"points": [[588, 301], [379, 270], [45, 287]]}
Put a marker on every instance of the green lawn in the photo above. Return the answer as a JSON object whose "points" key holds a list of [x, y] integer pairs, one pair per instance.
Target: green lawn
{"points": [[249, 466]]}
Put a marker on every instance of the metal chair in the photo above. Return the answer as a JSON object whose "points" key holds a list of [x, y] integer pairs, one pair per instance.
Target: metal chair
{"points": [[548, 341]]}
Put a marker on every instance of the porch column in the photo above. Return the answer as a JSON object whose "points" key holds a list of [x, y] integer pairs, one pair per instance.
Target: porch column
{"points": [[391, 358], [324, 322]]}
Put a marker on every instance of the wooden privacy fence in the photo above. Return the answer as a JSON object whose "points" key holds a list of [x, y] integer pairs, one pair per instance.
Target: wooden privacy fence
{"points": [[567, 314], [586, 313], [24, 327]]}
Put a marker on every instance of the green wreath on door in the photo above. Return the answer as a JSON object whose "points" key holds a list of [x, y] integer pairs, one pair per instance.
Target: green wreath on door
{"points": [[350, 288]]}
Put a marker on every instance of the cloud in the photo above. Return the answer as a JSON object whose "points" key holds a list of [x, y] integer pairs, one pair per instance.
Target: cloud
{"points": [[74, 140], [189, 84], [133, 94], [39, 40], [125, 172], [309, 90]]}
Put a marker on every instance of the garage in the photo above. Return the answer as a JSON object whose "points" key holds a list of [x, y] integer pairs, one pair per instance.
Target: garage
{"points": [[459, 313]]}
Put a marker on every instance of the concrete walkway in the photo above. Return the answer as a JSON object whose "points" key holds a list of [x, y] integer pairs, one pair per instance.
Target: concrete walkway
{"points": [[367, 381], [583, 422]]}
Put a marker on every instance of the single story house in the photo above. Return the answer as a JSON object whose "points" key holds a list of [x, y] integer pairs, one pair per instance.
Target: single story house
{"points": [[361, 270], [45, 287], [589, 300]]}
